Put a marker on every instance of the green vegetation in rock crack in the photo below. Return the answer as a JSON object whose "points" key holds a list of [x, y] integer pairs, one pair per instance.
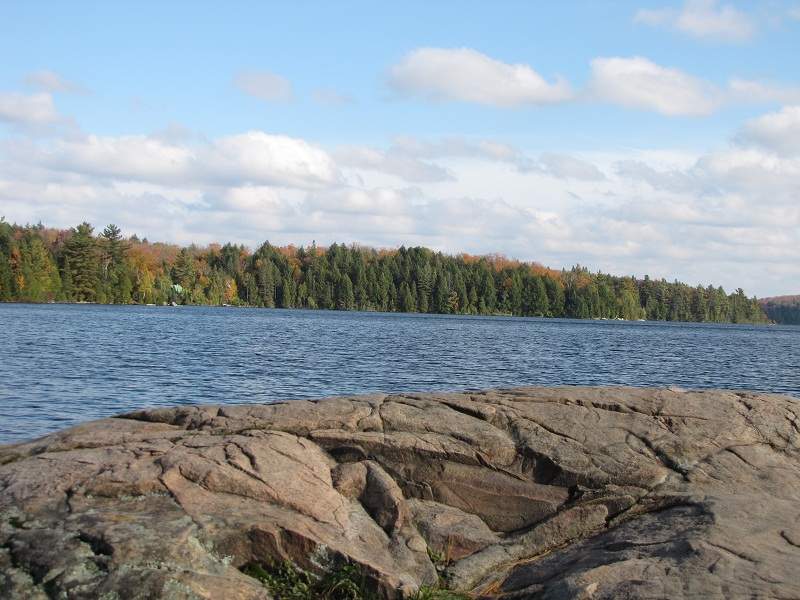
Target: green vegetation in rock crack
{"points": [[441, 559], [438, 593], [437, 558], [285, 581]]}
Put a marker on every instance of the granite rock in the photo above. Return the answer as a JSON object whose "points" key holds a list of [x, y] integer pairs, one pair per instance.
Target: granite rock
{"points": [[523, 493]]}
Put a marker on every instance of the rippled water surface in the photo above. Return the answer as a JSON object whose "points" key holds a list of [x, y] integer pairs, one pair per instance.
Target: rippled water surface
{"points": [[62, 364]]}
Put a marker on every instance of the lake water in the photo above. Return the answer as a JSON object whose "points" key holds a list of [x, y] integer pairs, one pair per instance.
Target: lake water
{"points": [[62, 364]]}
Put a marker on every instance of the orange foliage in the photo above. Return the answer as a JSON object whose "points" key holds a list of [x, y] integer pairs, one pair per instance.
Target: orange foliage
{"points": [[469, 259], [542, 271], [500, 262], [154, 253], [287, 251]]}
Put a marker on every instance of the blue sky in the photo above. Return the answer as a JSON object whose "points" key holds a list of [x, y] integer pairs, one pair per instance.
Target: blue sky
{"points": [[631, 137], [150, 64]]}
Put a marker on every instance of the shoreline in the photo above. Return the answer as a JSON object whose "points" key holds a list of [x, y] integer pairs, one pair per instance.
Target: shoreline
{"points": [[328, 310], [419, 392], [456, 390]]}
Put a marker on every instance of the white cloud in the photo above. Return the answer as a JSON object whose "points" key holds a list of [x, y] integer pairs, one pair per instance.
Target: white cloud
{"points": [[387, 202], [391, 162], [564, 166], [561, 166], [758, 176], [672, 180], [704, 19], [751, 91], [264, 86], [249, 199], [777, 131], [410, 159], [253, 157], [729, 217], [640, 83], [50, 81], [24, 109], [273, 159], [128, 158], [451, 147], [465, 75], [634, 82]]}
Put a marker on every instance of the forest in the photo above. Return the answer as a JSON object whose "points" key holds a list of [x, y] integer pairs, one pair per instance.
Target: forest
{"points": [[782, 309], [40, 264]]}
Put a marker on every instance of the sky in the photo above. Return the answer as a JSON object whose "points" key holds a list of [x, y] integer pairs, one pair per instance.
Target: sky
{"points": [[644, 137]]}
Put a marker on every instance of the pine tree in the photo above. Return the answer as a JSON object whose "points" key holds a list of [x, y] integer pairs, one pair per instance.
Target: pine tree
{"points": [[345, 298], [83, 259]]}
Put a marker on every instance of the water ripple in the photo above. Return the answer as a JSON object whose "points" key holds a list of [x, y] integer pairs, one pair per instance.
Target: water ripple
{"points": [[62, 364]]}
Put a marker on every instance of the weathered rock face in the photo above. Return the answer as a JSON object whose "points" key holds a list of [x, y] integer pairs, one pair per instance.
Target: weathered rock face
{"points": [[525, 493]]}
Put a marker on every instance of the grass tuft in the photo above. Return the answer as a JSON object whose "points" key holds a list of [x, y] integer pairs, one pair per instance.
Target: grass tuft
{"points": [[285, 581], [438, 593]]}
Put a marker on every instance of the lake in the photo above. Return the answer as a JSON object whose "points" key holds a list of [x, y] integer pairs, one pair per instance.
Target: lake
{"points": [[63, 364]]}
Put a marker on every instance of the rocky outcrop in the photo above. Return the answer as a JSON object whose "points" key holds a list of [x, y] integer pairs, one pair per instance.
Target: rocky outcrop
{"points": [[524, 493]]}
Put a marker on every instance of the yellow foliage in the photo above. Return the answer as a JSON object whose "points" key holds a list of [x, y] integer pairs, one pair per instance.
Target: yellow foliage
{"points": [[231, 291]]}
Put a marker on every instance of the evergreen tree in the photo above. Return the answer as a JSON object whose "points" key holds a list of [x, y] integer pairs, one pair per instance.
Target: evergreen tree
{"points": [[81, 254], [116, 278], [555, 297], [34, 271], [345, 297]]}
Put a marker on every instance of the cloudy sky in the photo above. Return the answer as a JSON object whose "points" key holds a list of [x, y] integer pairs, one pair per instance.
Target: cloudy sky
{"points": [[631, 137]]}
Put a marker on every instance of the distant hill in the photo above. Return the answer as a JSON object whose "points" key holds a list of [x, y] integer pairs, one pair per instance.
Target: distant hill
{"points": [[782, 309]]}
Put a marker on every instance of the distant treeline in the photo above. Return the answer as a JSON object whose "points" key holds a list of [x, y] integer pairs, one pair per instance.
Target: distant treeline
{"points": [[39, 264], [782, 309]]}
